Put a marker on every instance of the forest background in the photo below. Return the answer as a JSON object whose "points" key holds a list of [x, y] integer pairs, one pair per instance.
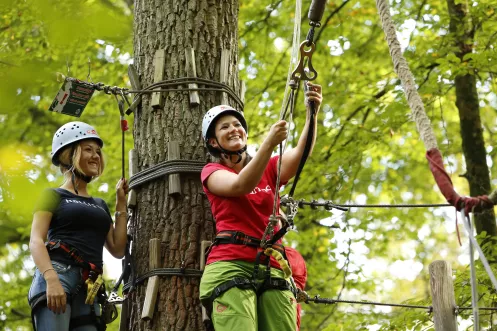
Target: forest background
{"points": [[368, 150]]}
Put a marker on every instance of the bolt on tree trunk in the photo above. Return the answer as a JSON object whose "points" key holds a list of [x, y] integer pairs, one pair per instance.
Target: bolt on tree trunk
{"points": [[181, 221]]}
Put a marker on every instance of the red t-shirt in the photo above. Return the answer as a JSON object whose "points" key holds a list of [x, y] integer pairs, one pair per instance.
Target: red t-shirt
{"points": [[247, 213]]}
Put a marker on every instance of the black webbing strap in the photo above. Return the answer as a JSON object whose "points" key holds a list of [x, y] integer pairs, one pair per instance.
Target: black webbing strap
{"points": [[242, 283], [307, 148], [240, 238], [237, 238], [262, 259], [278, 235], [276, 284]]}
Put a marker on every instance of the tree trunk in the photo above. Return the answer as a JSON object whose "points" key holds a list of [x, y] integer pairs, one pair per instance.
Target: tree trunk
{"points": [[180, 222], [473, 145]]}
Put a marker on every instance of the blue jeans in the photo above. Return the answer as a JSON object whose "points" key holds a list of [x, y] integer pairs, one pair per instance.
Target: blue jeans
{"points": [[71, 279]]}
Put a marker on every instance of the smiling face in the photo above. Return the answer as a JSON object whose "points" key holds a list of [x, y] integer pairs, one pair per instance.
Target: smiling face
{"points": [[90, 159], [230, 134]]}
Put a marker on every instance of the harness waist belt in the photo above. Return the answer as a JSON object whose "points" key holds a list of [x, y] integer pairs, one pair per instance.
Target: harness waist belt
{"points": [[91, 269], [240, 238]]}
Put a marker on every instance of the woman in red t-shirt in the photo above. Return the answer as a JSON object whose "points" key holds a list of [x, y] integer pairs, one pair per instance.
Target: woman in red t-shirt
{"points": [[241, 194]]}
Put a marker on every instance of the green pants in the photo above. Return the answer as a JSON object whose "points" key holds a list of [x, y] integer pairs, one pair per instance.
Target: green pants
{"points": [[242, 310]]}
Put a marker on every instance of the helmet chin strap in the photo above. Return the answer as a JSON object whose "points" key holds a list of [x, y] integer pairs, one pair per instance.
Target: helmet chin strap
{"points": [[75, 173], [227, 154]]}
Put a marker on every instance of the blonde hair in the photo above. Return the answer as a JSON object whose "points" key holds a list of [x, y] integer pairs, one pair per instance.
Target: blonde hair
{"points": [[65, 159]]}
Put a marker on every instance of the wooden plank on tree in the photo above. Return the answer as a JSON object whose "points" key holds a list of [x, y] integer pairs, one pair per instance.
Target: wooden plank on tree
{"points": [[191, 71], [153, 282], [134, 80], [203, 247], [173, 153], [205, 316], [224, 71], [133, 169], [442, 293], [243, 89], [159, 65]]}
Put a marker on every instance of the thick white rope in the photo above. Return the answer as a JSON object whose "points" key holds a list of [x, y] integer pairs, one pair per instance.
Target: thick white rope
{"points": [[401, 67]]}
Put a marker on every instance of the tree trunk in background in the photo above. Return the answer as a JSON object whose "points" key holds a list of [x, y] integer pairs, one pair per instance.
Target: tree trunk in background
{"points": [[179, 222], [477, 172]]}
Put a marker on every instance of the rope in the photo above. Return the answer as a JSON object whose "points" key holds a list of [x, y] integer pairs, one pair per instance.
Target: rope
{"points": [[483, 259], [328, 205], [293, 80], [164, 272], [401, 67], [317, 299], [288, 102], [479, 308], [165, 168], [211, 86]]}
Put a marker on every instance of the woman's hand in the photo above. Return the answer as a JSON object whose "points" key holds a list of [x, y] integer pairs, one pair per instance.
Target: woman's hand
{"points": [[277, 133], [121, 191], [56, 297], [313, 94]]}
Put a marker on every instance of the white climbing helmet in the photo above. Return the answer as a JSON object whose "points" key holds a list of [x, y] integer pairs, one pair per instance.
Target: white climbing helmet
{"points": [[213, 113], [70, 133]]}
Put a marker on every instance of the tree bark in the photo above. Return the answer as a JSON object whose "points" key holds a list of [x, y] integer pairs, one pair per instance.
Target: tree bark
{"points": [[473, 145], [181, 222]]}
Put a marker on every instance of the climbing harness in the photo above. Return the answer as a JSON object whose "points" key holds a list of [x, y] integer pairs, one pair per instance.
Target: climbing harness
{"points": [[92, 278], [92, 274], [258, 285]]}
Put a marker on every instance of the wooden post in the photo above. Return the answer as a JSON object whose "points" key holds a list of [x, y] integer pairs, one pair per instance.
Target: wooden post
{"points": [[135, 84], [442, 292], [203, 246], [159, 64], [191, 71], [153, 282], [173, 153], [223, 74], [133, 169]]}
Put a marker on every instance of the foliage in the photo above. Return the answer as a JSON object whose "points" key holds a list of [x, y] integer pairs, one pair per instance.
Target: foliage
{"points": [[368, 150]]}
